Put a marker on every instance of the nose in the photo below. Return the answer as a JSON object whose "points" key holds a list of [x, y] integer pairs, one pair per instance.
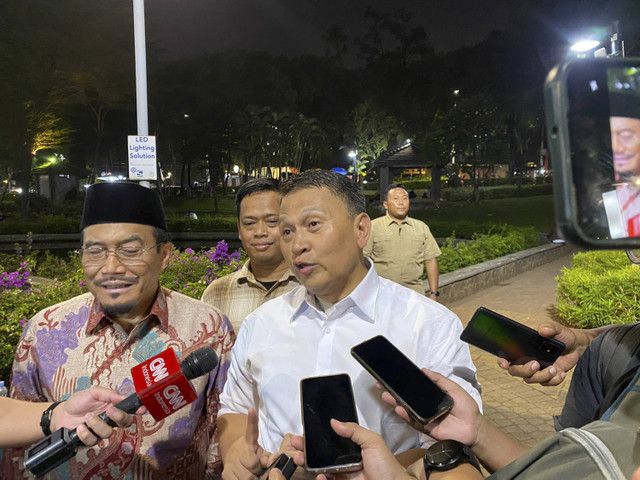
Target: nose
{"points": [[113, 263], [299, 244], [616, 144], [261, 229]]}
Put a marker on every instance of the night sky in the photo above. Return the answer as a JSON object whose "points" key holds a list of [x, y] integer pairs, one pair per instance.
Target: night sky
{"points": [[185, 28]]}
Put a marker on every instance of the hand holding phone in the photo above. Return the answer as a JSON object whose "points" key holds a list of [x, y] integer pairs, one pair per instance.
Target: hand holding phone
{"points": [[508, 339], [423, 400], [324, 398]]}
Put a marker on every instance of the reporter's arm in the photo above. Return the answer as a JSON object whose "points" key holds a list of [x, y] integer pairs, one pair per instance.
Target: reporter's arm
{"points": [[20, 420]]}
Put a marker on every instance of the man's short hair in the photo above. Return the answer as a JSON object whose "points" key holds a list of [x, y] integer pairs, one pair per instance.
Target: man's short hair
{"points": [[391, 187], [339, 185], [255, 186]]}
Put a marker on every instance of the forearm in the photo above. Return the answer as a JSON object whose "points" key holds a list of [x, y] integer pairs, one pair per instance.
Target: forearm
{"points": [[584, 337], [231, 426], [432, 274], [410, 456], [20, 422], [494, 448]]}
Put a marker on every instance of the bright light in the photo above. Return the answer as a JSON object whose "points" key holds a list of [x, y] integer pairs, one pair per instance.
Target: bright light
{"points": [[186, 115], [364, 181], [352, 154], [408, 141], [236, 169], [456, 92], [584, 45], [52, 159]]}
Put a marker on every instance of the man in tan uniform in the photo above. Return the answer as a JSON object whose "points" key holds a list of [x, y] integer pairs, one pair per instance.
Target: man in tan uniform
{"points": [[265, 275], [400, 245]]}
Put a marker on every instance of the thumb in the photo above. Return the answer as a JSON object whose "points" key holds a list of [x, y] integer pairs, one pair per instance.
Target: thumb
{"points": [[251, 435], [353, 431]]}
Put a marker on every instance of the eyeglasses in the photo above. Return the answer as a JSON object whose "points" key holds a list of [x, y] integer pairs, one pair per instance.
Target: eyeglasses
{"points": [[126, 255]]}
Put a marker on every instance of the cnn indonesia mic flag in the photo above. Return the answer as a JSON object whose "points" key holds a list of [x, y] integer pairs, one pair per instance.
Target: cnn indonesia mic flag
{"points": [[161, 385]]}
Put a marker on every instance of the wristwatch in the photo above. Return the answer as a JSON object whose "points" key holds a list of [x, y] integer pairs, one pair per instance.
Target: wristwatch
{"points": [[436, 293], [45, 420], [446, 455]]}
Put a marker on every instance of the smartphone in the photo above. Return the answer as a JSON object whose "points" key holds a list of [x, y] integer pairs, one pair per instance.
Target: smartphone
{"points": [[284, 463], [423, 400], [596, 187], [506, 338], [322, 399]]}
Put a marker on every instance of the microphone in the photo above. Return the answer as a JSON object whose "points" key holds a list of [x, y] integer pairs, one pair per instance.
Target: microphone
{"points": [[162, 385]]}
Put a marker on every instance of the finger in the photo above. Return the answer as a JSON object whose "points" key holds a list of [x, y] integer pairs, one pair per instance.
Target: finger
{"points": [[297, 442], [276, 474], [121, 418], [86, 436], [503, 364], [97, 426], [388, 398], [251, 435], [526, 370], [356, 433], [549, 329], [106, 395]]}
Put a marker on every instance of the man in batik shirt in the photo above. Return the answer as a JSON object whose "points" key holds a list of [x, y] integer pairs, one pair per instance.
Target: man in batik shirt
{"points": [[126, 318]]}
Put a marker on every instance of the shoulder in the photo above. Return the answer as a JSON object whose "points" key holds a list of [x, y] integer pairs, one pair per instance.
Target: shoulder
{"points": [[220, 285], [279, 309], [401, 299], [64, 308]]}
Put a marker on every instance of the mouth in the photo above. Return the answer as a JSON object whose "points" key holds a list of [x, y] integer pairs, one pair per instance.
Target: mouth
{"points": [[116, 286], [304, 268], [620, 160], [261, 247]]}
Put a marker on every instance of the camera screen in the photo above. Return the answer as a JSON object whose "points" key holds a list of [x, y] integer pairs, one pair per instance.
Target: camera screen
{"points": [[604, 133]]}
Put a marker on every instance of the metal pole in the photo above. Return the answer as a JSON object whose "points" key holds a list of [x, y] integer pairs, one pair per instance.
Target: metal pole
{"points": [[141, 67]]}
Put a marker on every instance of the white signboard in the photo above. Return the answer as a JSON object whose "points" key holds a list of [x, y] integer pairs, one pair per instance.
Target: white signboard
{"points": [[142, 157]]}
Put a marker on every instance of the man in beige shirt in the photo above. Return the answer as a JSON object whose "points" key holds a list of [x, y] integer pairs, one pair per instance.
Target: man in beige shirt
{"points": [[265, 275], [400, 245]]}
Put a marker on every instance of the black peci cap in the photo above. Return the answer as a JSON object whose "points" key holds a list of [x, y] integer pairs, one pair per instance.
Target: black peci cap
{"points": [[624, 104], [122, 202]]}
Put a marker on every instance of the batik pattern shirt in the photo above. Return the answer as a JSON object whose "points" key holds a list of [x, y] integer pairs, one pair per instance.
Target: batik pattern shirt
{"points": [[73, 345]]}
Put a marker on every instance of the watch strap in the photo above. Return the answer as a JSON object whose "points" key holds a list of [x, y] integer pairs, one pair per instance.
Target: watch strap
{"points": [[45, 420]]}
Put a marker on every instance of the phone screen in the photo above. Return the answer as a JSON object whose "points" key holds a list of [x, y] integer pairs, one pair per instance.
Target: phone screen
{"points": [[422, 398], [506, 338], [324, 398]]}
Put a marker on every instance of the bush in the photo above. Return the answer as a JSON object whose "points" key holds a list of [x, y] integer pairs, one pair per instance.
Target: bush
{"points": [[465, 194], [600, 288], [501, 240]]}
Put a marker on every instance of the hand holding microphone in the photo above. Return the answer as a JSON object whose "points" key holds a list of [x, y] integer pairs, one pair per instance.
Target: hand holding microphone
{"points": [[162, 385]]}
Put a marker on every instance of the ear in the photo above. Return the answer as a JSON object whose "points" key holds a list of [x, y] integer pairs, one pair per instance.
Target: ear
{"points": [[165, 251], [363, 229], [238, 228], [384, 204]]}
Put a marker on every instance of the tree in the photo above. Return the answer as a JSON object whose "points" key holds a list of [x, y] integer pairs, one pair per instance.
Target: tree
{"points": [[371, 130]]}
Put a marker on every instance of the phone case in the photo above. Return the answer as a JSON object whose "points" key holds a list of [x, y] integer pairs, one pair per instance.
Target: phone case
{"points": [[506, 338], [443, 406], [351, 464]]}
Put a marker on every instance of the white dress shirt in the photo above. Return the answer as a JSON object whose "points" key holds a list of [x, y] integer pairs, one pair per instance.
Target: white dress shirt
{"points": [[288, 338]]}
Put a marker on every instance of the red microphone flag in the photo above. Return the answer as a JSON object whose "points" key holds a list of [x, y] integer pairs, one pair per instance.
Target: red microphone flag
{"points": [[161, 385]]}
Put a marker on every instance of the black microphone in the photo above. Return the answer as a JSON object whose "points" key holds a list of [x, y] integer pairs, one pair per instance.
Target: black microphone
{"points": [[63, 444]]}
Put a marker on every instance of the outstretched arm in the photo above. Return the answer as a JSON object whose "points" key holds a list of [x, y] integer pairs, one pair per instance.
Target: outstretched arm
{"points": [[20, 420]]}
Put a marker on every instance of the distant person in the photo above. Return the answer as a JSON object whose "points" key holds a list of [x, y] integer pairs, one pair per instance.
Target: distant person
{"points": [[21, 422], [265, 275], [125, 318], [400, 246]]}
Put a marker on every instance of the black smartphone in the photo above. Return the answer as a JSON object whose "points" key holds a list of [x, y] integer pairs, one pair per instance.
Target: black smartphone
{"points": [[506, 338], [284, 463], [421, 398], [324, 398]]}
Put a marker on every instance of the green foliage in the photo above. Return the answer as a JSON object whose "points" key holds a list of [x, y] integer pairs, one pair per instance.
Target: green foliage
{"points": [[600, 288], [501, 240], [465, 194]]}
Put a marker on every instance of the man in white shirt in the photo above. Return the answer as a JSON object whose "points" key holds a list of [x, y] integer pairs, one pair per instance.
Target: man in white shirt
{"points": [[310, 330]]}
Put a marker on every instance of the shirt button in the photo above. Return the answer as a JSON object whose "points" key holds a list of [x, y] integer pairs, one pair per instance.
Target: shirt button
{"points": [[327, 330], [350, 309]]}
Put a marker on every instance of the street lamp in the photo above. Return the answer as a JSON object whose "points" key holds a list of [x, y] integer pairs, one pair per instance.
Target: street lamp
{"points": [[353, 154]]}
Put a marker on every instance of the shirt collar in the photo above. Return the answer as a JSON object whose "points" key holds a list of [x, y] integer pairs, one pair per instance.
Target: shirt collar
{"points": [[246, 275], [363, 297], [407, 220], [158, 311]]}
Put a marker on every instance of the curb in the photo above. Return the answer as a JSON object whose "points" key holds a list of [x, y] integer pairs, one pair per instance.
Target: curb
{"points": [[456, 285]]}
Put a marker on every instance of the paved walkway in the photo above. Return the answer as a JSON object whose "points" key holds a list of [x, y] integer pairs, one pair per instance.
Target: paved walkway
{"points": [[524, 411]]}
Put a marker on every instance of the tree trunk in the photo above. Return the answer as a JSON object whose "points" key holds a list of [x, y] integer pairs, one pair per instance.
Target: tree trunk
{"points": [[436, 184]]}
